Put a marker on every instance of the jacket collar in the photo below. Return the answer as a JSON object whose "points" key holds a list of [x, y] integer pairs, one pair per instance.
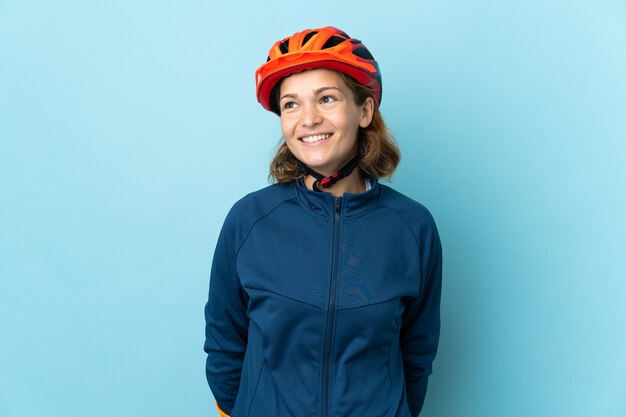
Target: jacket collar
{"points": [[352, 205]]}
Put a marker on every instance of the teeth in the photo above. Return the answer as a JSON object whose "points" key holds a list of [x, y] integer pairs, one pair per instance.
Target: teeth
{"points": [[315, 138]]}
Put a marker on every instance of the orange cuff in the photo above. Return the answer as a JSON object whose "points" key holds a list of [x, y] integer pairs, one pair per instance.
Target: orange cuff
{"points": [[219, 410]]}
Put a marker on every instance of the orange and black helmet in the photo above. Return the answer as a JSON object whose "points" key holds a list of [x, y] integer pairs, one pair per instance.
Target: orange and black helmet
{"points": [[328, 48]]}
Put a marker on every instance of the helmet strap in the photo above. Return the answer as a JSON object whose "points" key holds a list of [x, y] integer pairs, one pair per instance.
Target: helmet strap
{"points": [[327, 182]]}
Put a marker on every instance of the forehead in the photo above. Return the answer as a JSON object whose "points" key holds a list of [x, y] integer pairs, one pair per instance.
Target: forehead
{"points": [[311, 80]]}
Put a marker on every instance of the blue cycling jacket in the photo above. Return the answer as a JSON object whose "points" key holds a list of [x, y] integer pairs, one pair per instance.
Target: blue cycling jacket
{"points": [[323, 306]]}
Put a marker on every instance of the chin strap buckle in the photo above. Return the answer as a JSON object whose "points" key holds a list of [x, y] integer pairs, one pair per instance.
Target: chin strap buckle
{"points": [[327, 182]]}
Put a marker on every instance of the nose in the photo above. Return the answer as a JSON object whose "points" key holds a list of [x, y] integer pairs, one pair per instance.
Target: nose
{"points": [[310, 116]]}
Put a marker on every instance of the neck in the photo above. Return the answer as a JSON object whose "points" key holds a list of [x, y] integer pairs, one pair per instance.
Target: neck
{"points": [[353, 183]]}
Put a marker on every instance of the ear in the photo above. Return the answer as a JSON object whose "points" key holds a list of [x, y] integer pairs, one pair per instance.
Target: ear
{"points": [[367, 112]]}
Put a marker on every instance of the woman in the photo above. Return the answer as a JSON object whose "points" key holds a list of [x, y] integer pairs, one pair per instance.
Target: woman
{"points": [[325, 287]]}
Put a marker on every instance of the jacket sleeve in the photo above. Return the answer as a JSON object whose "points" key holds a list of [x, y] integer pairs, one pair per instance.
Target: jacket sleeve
{"points": [[421, 321], [226, 321]]}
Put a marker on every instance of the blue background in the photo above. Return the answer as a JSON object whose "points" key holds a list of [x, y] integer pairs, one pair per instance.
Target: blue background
{"points": [[128, 129]]}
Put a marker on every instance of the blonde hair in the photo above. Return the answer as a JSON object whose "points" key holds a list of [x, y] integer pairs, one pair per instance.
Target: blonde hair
{"points": [[379, 154]]}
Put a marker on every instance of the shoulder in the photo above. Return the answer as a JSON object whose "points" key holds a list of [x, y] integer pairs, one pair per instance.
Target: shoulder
{"points": [[254, 206], [262, 201], [405, 206], [415, 215]]}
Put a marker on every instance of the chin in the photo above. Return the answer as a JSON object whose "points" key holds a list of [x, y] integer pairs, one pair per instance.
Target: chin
{"points": [[315, 163]]}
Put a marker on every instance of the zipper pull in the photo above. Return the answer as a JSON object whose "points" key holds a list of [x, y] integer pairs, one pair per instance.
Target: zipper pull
{"points": [[337, 205]]}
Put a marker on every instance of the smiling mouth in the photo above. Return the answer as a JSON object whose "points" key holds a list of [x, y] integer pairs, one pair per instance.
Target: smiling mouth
{"points": [[315, 138]]}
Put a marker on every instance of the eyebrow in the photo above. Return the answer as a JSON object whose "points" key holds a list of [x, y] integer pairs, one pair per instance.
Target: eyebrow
{"points": [[315, 92]]}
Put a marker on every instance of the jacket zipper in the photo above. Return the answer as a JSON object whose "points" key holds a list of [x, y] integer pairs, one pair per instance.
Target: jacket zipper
{"points": [[330, 322]]}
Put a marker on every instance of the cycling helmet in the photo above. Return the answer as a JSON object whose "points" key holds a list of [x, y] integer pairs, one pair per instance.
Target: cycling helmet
{"points": [[326, 47]]}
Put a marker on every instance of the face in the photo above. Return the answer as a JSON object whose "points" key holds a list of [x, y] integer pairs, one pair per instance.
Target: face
{"points": [[320, 120]]}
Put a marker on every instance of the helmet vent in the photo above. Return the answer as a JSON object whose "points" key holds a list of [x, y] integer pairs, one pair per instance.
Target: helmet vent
{"points": [[308, 36], [284, 46], [362, 52], [333, 41]]}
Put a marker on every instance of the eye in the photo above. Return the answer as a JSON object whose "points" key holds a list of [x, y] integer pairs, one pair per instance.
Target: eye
{"points": [[328, 99], [288, 105]]}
